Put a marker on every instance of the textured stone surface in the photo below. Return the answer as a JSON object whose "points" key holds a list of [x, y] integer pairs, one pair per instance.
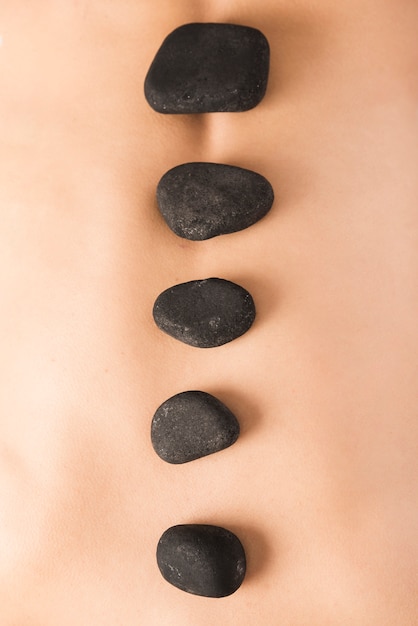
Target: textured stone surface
{"points": [[204, 313], [206, 67], [190, 425], [202, 200], [201, 559]]}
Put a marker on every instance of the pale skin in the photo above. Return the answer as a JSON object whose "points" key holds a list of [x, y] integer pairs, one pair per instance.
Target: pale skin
{"points": [[322, 485]]}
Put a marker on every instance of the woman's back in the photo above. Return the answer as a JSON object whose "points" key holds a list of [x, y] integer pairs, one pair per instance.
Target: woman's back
{"points": [[321, 485]]}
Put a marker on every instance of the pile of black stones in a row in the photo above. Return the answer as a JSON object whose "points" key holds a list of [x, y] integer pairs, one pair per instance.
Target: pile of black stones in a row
{"points": [[202, 68]]}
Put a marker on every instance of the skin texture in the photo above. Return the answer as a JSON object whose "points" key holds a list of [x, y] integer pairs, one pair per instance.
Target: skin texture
{"points": [[321, 487]]}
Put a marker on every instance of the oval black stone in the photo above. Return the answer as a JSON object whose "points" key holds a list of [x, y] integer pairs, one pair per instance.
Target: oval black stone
{"points": [[202, 559], [191, 425], [207, 67], [204, 313], [203, 200]]}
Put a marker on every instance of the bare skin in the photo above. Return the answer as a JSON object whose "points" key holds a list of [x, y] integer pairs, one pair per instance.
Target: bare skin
{"points": [[322, 485]]}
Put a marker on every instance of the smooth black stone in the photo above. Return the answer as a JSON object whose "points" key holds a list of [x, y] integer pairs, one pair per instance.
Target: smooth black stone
{"points": [[190, 425], [206, 67], [203, 200], [201, 559], [204, 313]]}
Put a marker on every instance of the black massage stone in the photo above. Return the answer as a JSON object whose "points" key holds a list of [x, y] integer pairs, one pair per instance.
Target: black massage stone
{"points": [[204, 313], [202, 200], [206, 67], [190, 425], [201, 559]]}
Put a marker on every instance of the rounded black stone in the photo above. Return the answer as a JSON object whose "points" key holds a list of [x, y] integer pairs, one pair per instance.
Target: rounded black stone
{"points": [[202, 200], [191, 425], [207, 67], [204, 313], [201, 559]]}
